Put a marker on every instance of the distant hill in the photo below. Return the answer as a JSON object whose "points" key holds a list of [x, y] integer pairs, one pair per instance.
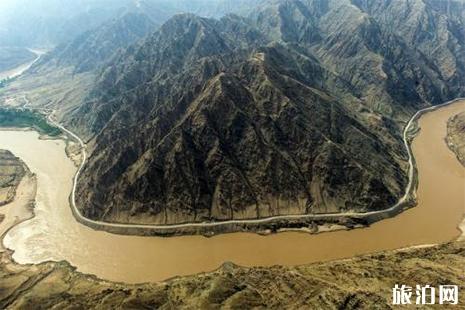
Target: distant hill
{"points": [[47, 23], [92, 48], [12, 57]]}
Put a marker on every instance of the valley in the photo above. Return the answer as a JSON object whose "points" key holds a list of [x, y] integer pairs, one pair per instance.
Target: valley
{"points": [[20, 68], [11, 58], [235, 286], [243, 118], [118, 258], [236, 154]]}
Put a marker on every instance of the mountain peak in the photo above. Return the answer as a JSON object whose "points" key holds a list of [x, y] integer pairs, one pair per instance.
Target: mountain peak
{"points": [[184, 20]]}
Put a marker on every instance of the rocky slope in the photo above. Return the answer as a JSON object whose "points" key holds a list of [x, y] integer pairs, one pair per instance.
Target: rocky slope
{"points": [[297, 108], [434, 28], [236, 130], [11, 173], [361, 283], [456, 136]]}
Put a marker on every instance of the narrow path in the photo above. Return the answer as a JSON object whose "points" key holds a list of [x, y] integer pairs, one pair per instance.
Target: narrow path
{"points": [[398, 205]]}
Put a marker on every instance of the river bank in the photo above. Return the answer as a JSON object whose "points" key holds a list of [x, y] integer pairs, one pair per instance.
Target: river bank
{"points": [[307, 223], [19, 210], [19, 184], [336, 284], [359, 283], [137, 259], [455, 134]]}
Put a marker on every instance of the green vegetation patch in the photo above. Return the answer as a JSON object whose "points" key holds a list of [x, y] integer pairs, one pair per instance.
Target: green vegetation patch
{"points": [[27, 119]]}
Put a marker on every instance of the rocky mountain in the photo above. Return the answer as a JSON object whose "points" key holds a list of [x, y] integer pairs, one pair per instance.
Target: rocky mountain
{"points": [[435, 29], [296, 107], [11, 172], [94, 47]]}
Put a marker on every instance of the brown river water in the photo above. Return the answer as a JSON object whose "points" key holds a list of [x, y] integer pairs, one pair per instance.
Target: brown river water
{"points": [[54, 234]]}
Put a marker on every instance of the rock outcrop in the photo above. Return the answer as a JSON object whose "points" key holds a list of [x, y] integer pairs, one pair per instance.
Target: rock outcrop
{"points": [[456, 136], [11, 173]]}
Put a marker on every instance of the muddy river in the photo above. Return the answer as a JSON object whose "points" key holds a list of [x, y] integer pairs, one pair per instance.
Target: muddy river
{"points": [[54, 234]]}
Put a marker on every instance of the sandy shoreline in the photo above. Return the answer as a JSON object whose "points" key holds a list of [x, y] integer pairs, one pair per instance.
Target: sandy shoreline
{"points": [[21, 208]]}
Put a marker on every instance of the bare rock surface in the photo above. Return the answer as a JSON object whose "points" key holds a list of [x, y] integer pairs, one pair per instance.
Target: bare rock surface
{"points": [[11, 172], [456, 136]]}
